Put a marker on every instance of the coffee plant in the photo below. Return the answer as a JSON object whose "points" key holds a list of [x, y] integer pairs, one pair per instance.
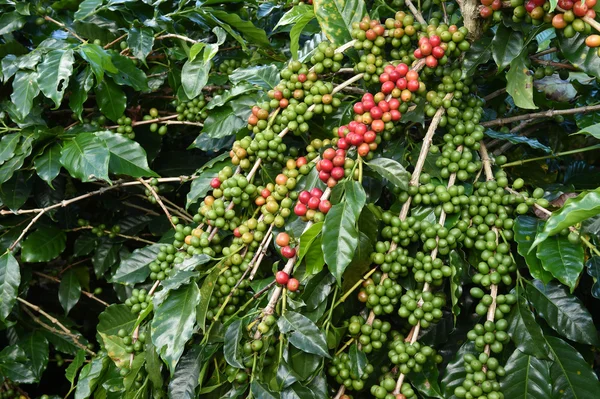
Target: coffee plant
{"points": [[299, 199]]}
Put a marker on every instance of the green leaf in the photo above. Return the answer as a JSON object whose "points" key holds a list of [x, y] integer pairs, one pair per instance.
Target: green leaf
{"points": [[8, 144], [129, 74], [173, 323], [79, 90], [15, 366], [36, 347], [526, 377], [111, 99], [54, 73], [426, 381], [15, 192], [232, 349], [579, 54], [459, 267], [134, 269], [99, 60], [455, 373], [248, 30], [69, 290], [48, 164], [127, 157], [153, 364], [261, 391], [10, 278], [564, 312], [392, 171], [201, 185], [265, 76], [478, 54], [86, 157], [592, 130], [71, 371], [89, 377], [516, 138], [525, 331], [340, 236], [185, 380], [506, 46], [296, 31], [87, 8], [105, 257], [115, 348], [308, 237], [43, 245], [114, 318], [593, 270], [525, 229], [358, 361], [227, 95], [194, 76], [10, 22], [25, 89], [574, 211], [317, 290], [140, 42], [303, 333], [336, 18], [571, 376], [223, 122], [520, 83], [205, 294], [562, 258]]}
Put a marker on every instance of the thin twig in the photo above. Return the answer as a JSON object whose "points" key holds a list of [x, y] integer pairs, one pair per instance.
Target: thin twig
{"points": [[86, 293], [158, 199], [494, 94], [416, 12], [141, 208], [174, 36], [65, 27], [117, 40], [543, 114]]}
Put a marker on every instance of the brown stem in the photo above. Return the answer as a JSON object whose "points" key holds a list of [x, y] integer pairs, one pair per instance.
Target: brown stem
{"points": [[117, 40], [47, 18], [141, 208], [86, 293], [543, 114], [174, 36], [158, 199], [495, 94], [415, 12], [554, 64]]}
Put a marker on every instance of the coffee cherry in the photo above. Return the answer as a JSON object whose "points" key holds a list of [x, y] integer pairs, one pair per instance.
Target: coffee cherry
{"points": [[293, 284], [282, 277]]}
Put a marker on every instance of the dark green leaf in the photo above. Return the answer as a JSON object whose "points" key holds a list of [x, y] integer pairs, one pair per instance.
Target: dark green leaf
{"points": [[303, 333], [140, 42], [223, 122], [296, 31], [10, 278], [308, 237], [518, 139], [234, 92], [506, 46], [248, 30], [593, 269], [127, 157], [526, 377], [336, 17], [89, 377], [114, 318], [205, 294], [525, 229], [564, 312], [129, 74], [259, 391], [86, 157], [479, 54], [14, 365], [153, 364], [572, 377], [99, 60], [265, 76], [185, 380], [525, 331], [8, 144], [579, 54], [392, 171], [71, 371], [10, 22], [43, 245], [48, 164], [173, 323], [87, 8], [134, 269], [455, 372], [111, 99], [79, 90], [54, 73], [562, 258], [25, 89], [69, 290], [459, 267], [232, 350], [15, 192], [201, 185], [358, 361], [106, 255], [520, 83], [426, 381], [35, 346]]}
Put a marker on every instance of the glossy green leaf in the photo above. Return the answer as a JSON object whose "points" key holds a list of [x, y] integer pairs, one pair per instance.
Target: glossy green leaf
{"points": [[87, 8], [592, 130], [516, 138], [15, 366], [593, 270], [579, 54], [459, 268], [134, 269], [479, 54], [455, 373], [69, 290], [525, 229], [194, 76], [562, 258], [48, 164], [43, 245], [307, 238], [54, 73], [99, 60], [265, 76], [25, 89], [80, 88], [564, 312], [236, 91], [232, 349], [317, 290], [127, 157], [201, 185], [340, 236], [111, 99], [261, 391], [140, 42], [574, 210], [116, 350], [247, 29], [426, 381], [114, 318], [571, 376], [507, 44], [185, 380], [10, 22], [15, 192], [89, 377], [336, 17], [303, 333], [205, 294], [223, 122], [105, 256], [128, 74], [86, 157], [71, 371], [173, 323], [8, 144], [525, 331], [520, 83], [36, 347], [392, 171], [526, 377], [298, 26], [358, 361]]}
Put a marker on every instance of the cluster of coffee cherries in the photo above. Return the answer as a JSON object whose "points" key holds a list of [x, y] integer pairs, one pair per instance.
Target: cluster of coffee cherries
{"points": [[380, 296], [282, 278], [325, 59], [340, 369], [129, 344], [503, 303], [310, 205], [387, 385], [230, 65], [422, 307], [489, 333], [10, 391], [192, 111], [240, 376], [430, 48], [332, 168], [138, 301], [481, 380], [410, 356], [100, 230], [283, 241], [427, 269], [369, 336], [125, 127], [401, 232], [190, 241], [154, 184]]}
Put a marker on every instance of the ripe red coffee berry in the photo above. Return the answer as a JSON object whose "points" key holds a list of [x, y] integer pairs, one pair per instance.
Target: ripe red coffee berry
{"points": [[326, 164], [293, 285], [435, 40], [215, 183], [288, 252], [337, 173], [304, 196], [282, 277], [325, 206], [313, 202], [300, 209], [329, 153], [316, 192], [236, 232]]}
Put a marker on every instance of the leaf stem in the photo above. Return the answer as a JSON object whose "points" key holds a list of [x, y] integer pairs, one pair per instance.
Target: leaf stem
{"points": [[557, 155]]}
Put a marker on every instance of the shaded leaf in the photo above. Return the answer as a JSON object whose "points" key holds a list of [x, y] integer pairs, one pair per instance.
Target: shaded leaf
{"points": [[562, 258], [265, 76], [525, 229], [525, 331], [526, 377], [54, 73], [127, 157], [392, 171], [506, 46], [336, 17], [232, 349], [303, 333], [520, 83], [36, 347], [111, 99], [134, 269], [140, 42], [43, 245], [86, 157], [69, 290], [48, 164], [25, 89]]}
